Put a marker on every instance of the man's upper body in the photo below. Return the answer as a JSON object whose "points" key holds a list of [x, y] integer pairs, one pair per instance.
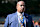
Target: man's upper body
{"points": [[12, 20]]}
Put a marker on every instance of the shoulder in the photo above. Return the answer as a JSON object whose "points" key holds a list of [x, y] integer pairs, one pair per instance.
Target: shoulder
{"points": [[27, 15], [11, 15]]}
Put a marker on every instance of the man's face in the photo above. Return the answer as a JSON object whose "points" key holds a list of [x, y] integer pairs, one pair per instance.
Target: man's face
{"points": [[20, 6]]}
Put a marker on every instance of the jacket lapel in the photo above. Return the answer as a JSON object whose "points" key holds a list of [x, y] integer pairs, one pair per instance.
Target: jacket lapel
{"points": [[26, 15]]}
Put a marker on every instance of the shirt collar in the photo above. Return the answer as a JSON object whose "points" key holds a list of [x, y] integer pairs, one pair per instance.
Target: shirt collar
{"points": [[19, 13]]}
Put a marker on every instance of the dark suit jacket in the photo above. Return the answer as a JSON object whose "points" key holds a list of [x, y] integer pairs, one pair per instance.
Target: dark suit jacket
{"points": [[29, 23]]}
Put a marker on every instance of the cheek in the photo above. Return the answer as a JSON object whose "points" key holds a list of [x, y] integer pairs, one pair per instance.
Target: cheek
{"points": [[20, 7]]}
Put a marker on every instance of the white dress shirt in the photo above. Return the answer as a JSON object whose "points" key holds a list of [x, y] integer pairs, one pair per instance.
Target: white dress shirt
{"points": [[19, 16]]}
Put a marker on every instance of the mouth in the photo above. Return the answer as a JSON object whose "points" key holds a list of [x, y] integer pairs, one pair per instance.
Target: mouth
{"points": [[22, 9]]}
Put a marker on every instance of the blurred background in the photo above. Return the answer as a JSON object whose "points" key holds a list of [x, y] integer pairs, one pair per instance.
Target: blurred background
{"points": [[9, 6]]}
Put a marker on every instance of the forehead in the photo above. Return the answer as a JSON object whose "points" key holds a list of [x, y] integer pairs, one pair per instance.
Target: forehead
{"points": [[21, 3]]}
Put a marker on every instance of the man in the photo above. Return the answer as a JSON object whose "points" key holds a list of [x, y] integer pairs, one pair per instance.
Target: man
{"points": [[13, 20]]}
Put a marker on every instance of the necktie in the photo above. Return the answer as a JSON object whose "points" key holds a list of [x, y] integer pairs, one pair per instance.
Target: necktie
{"points": [[22, 22]]}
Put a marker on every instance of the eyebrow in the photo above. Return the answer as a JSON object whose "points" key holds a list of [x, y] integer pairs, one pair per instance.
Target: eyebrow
{"points": [[22, 5]]}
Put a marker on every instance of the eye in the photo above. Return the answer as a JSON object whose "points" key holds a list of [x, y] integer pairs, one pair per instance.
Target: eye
{"points": [[21, 5]]}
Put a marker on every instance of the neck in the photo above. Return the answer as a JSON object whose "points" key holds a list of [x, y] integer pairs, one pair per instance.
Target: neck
{"points": [[20, 12]]}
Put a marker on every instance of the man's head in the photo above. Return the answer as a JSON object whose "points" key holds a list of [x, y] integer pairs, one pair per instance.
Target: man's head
{"points": [[20, 6]]}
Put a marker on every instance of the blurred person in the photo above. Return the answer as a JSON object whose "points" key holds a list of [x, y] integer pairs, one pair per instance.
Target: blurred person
{"points": [[39, 24], [33, 22], [19, 18], [36, 24]]}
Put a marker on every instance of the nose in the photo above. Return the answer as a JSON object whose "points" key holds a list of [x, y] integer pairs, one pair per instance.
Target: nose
{"points": [[22, 6]]}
